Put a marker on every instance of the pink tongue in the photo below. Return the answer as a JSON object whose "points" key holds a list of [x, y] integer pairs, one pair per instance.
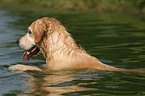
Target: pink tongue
{"points": [[25, 55]]}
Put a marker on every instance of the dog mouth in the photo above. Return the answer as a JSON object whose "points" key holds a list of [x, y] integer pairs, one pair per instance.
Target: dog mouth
{"points": [[31, 53]]}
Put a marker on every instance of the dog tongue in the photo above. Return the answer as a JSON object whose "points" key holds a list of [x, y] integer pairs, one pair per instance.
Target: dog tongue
{"points": [[32, 52], [25, 55]]}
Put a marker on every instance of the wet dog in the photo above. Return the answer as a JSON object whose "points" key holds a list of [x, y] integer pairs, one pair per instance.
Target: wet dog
{"points": [[50, 37]]}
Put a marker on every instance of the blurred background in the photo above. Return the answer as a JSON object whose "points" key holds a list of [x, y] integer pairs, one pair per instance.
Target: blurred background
{"points": [[128, 6]]}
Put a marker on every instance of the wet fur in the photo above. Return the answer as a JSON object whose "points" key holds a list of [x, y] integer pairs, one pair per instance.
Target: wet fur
{"points": [[60, 49]]}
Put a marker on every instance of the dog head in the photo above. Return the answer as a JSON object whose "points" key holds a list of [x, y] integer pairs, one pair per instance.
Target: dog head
{"points": [[37, 36], [30, 41]]}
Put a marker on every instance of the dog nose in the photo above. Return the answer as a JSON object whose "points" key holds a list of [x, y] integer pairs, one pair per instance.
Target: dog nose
{"points": [[17, 41]]}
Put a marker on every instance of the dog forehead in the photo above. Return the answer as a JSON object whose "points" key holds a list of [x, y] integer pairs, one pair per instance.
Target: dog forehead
{"points": [[36, 24]]}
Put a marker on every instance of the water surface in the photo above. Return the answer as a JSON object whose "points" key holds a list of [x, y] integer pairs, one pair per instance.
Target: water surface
{"points": [[116, 39]]}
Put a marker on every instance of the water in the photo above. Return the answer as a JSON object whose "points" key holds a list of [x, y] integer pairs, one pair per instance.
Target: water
{"points": [[116, 39]]}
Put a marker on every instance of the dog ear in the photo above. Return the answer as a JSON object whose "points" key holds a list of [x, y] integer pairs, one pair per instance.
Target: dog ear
{"points": [[40, 29]]}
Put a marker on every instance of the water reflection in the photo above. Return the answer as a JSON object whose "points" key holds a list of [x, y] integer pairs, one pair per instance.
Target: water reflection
{"points": [[61, 82], [84, 82]]}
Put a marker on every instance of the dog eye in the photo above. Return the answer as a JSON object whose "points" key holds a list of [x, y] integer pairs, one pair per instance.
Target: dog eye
{"points": [[29, 32]]}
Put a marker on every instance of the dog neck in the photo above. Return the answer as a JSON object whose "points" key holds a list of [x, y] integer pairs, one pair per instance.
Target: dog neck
{"points": [[60, 49]]}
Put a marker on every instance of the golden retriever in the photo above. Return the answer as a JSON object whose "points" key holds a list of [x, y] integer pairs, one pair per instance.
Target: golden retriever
{"points": [[50, 37]]}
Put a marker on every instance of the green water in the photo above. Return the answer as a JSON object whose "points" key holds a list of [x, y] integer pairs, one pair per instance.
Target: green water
{"points": [[116, 39]]}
